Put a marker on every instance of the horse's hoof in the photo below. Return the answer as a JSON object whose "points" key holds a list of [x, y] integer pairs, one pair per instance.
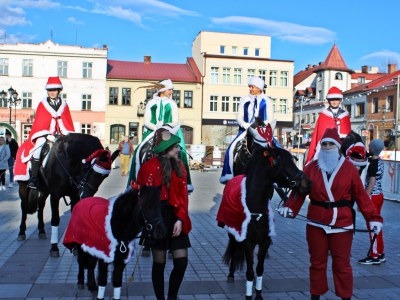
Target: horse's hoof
{"points": [[42, 236], [249, 297], [81, 286], [55, 254], [21, 237], [230, 280], [258, 295], [145, 253]]}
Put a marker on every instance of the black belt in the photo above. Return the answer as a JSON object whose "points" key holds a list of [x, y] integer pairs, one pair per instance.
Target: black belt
{"points": [[165, 202], [329, 204]]}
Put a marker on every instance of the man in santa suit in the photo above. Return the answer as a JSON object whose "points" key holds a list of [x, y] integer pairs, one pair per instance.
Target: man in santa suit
{"points": [[52, 118], [332, 117], [330, 216]]}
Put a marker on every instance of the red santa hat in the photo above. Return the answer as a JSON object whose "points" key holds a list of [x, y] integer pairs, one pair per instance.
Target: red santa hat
{"points": [[54, 83], [334, 93], [102, 167], [331, 135]]}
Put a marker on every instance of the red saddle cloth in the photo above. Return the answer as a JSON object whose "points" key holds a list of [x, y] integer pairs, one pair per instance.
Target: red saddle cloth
{"points": [[90, 226]]}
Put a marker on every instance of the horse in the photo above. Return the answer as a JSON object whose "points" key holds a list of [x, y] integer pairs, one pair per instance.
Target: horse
{"points": [[245, 207], [65, 175], [353, 149], [121, 219]]}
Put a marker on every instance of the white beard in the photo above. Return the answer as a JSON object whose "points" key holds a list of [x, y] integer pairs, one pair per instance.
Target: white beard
{"points": [[328, 160]]}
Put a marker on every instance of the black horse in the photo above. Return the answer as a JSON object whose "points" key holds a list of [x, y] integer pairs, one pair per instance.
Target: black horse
{"points": [[267, 166], [125, 216], [64, 175], [354, 149]]}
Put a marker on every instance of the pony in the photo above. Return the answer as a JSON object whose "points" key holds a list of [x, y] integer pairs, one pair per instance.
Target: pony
{"points": [[76, 166], [245, 206], [118, 222], [354, 150]]}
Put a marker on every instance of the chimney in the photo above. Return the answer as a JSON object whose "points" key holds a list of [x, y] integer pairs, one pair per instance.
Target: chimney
{"points": [[320, 63], [364, 69], [147, 59], [308, 67], [392, 68], [314, 66]]}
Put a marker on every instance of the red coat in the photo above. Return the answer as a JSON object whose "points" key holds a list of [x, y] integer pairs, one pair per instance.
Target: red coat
{"points": [[326, 120], [48, 121], [344, 182], [177, 193]]}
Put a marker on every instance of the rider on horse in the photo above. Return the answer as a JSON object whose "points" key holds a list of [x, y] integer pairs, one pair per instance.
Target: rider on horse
{"points": [[52, 118], [256, 104]]}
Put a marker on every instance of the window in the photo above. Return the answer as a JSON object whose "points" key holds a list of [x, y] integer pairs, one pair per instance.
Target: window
{"points": [[263, 75], [274, 105], [282, 106], [237, 76], [26, 129], [226, 75], [361, 80], [374, 107], [85, 128], [236, 101], [133, 132], [234, 50], [188, 102], [389, 103], [348, 108], [307, 120], [187, 134], [26, 100], [213, 103], [320, 95], [3, 66], [63, 96], [297, 119], [225, 104], [126, 96], [62, 68], [27, 67], [87, 70], [272, 78], [250, 73], [284, 78], [117, 133], [113, 96], [222, 49], [149, 95], [338, 76], [313, 117], [86, 102], [360, 111], [214, 75], [257, 52], [4, 103], [245, 51], [176, 96], [319, 76]]}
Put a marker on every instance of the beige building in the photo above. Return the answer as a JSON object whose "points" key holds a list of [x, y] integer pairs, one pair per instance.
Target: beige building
{"points": [[125, 103], [227, 62]]}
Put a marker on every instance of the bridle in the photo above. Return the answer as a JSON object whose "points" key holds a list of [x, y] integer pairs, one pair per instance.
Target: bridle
{"points": [[149, 225]]}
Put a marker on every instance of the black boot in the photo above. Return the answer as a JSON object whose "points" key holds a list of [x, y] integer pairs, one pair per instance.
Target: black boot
{"points": [[315, 297], [346, 298], [33, 180]]}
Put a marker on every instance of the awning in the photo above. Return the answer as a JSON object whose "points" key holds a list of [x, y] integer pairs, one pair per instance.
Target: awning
{"points": [[306, 126]]}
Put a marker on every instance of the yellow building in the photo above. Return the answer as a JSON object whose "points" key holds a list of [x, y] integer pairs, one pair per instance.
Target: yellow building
{"points": [[125, 102], [228, 61]]}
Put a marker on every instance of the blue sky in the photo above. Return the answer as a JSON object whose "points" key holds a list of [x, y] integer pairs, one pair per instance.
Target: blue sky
{"points": [[366, 31]]}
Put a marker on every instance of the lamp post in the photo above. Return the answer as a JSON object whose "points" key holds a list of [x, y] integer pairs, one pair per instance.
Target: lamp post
{"points": [[383, 109], [12, 100], [301, 98]]}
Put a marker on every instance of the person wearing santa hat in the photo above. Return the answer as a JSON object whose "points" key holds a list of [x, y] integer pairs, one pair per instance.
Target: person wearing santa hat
{"points": [[52, 118], [256, 104], [331, 216], [332, 117], [167, 171]]}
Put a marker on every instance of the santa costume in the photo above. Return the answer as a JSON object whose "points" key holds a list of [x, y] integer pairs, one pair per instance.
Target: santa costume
{"points": [[329, 118]]}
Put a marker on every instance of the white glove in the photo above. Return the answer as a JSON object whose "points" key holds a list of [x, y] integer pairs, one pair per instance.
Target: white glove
{"points": [[285, 212], [376, 227]]}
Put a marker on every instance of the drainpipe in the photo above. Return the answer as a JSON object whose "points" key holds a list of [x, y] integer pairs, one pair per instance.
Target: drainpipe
{"points": [[202, 92]]}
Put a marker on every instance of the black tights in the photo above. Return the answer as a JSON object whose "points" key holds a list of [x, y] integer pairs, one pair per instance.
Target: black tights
{"points": [[180, 260]]}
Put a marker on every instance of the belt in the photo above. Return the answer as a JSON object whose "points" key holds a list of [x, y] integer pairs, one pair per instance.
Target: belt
{"points": [[329, 204], [165, 202]]}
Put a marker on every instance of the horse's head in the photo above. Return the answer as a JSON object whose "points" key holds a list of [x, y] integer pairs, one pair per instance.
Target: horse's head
{"points": [[94, 170], [354, 150]]}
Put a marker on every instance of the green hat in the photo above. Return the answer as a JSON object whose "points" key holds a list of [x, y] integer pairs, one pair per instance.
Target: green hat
{"points": [[164, 139]]}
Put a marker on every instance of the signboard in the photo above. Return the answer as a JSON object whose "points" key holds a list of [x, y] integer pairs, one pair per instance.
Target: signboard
{"points": [[364, 133]]}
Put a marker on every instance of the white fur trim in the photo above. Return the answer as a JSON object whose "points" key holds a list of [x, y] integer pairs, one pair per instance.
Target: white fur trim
{"points": [[334, 96], [249, 288], [53, 86], [259, 283], [271, 220], [173, 130], [225, 178], [101, 170], [327, 139], [168, 85]]}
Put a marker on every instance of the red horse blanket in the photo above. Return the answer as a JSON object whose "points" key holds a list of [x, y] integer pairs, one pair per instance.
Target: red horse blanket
{"points": [[233, 211], [90, 226]]}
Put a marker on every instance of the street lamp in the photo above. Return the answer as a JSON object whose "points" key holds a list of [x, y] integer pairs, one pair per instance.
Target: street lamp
{"points": [[383, 109], [12, 100], [301, 98]]}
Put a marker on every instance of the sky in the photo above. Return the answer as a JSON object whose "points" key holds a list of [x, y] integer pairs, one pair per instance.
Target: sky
{"points": [[366, 32]]}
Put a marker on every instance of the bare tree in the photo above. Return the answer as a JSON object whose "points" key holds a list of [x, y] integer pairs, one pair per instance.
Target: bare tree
{"points": [[383, 66]]}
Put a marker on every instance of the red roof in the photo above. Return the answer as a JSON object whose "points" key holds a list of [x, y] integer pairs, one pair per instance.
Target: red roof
{"points": [[334, 61], [302, 75], [188, 72], [388, 80]]}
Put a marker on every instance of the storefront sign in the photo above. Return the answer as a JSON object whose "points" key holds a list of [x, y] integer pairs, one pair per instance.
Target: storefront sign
{"points": [[226, 122]]}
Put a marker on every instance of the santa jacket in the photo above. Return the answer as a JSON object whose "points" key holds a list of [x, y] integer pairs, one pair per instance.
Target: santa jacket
{"points": [[48, 121], [177, 193], [343, 183], [327, 120]]}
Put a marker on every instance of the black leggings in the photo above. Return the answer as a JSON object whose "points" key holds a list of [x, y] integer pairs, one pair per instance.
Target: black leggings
{"points": [[3, 177]]}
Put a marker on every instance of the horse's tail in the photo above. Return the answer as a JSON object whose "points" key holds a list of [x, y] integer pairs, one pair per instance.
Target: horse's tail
{"points": [[32, 204], [234, 253]]}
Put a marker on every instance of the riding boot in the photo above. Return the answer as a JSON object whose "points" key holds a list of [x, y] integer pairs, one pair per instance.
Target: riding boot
{"points": [[315, 297], [33, 180]]}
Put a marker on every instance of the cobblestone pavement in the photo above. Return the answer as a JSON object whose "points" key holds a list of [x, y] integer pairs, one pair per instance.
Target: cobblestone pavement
{"points": [[27, 271]]}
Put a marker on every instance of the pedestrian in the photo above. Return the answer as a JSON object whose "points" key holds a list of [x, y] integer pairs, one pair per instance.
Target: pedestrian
{"points": [[52, 118], [332, 117], [373, 186], [126, 150], [331, 216], [4, 156], [13, 145], [255, 104], [167, 171]]}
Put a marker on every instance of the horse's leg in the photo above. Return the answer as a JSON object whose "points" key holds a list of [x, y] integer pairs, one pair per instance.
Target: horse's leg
{"points": [[91, 279], [41, 204], [22, 226], [55, 221], [232, 266], [102, 278], [81, 268], [262, 252], [119, 267], [249, 253]]}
